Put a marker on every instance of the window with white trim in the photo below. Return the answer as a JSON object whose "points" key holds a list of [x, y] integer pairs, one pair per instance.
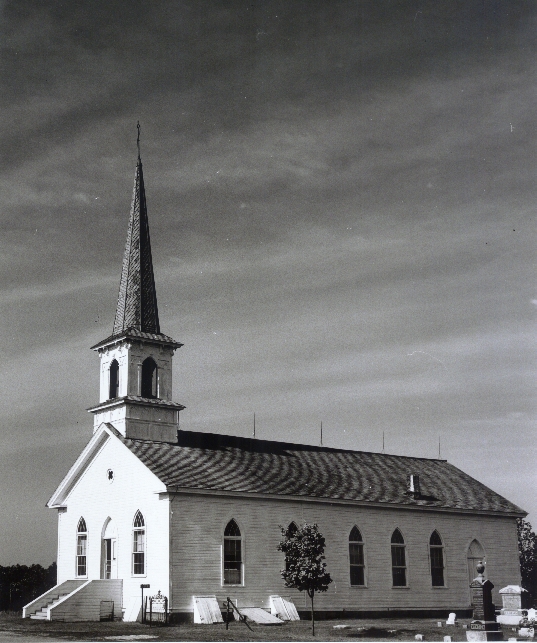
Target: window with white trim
{"points": [[436, 549], [356, 558], [138, 545], [398, 559], [81, 548], [232, 559]]}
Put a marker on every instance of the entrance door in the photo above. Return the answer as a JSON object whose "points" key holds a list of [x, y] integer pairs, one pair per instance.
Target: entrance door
{"points": [[110, 558], [109, 550]]}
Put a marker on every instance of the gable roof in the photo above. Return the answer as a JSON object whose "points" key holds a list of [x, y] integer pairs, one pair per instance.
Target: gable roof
{"points": [[223, 463], [98, 441]]}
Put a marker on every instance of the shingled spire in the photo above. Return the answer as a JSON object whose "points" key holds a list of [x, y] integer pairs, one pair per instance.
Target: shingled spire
{"points": [[137, 301]]}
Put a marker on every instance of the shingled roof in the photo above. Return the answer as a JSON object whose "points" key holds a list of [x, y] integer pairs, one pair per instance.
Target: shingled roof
{"points": [[223, 463]]}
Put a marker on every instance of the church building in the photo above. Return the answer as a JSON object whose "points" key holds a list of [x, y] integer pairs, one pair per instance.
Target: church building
{"points": [[196, 514]]}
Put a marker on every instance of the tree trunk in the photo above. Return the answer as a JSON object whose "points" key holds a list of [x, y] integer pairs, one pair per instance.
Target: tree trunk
{"points": [[312, 617]]}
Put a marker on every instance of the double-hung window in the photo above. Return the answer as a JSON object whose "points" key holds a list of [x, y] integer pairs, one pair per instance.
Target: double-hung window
{"points": [[398, 559], [232, 554], [356, 558], [81, 548], [436, 549], [138, 545]]}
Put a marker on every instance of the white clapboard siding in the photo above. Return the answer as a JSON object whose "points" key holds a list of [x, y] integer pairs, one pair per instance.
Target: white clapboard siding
{"points": [[196, 539], [98, 500]]}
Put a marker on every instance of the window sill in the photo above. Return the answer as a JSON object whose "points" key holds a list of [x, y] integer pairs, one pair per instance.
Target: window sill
{"points": [[400, 586], [358, 586], [439, 587]]}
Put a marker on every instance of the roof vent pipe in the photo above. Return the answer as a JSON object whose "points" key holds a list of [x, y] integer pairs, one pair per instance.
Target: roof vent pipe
{"points": [[414, 485]]}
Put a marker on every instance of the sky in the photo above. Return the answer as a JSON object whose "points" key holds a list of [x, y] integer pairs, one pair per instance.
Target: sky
{"points": [[341, 198]]}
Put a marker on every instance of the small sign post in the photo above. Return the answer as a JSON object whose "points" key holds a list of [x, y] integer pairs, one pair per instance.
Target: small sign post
{"points": [[142, 587]]}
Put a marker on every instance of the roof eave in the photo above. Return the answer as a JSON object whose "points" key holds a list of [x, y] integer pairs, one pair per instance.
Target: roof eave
{"points": [[119, 401], [174, 489], [121, 337]]}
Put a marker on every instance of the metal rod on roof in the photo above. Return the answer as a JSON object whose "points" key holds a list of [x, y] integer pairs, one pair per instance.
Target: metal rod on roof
{"points": [[321, 433], [383, 442], [138, 139], [254, 425], [439, 456]]}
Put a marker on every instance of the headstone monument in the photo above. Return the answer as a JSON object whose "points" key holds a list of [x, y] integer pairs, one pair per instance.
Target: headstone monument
{"points": [[511, 612], [484, 626]]}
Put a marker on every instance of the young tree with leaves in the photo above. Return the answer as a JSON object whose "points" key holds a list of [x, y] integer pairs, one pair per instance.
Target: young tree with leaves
{"points": [[305, 568], [527, 551]]}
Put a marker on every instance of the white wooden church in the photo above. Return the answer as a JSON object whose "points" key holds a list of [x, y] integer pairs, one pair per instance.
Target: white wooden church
{"points": [[198, 514]]}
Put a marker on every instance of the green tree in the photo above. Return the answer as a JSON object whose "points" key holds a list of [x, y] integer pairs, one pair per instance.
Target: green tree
{"points": [[305, 568], [527, 552]]}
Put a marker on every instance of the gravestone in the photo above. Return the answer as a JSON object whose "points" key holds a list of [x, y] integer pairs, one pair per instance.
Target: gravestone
{"points": [[484, 626], [511, 612]]}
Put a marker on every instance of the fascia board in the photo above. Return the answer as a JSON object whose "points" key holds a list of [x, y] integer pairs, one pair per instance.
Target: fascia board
{"points": [[98, 440], [175, 490]]}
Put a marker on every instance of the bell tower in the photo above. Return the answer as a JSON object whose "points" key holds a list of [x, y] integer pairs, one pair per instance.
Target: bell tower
{"points": [[136, 360]]}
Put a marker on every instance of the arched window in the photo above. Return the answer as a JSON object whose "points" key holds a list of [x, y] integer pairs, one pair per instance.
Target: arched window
{"points": [[138, 545], [232, 554], [114, 380], [476, 554], [398, 559], [81, 548], [436, 548], [356, 557], [149, 378], [292, 529]]}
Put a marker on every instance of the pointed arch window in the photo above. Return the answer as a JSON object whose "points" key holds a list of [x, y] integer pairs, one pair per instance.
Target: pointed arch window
{"points": [[292, 529], [81, 548], [149, 378], [232, 559], [113, 380], [138, 545], [398, 559], [356, 558], [475, 555], [436, 549]]}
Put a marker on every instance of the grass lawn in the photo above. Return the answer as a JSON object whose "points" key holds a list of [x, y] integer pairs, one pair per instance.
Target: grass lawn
{"points": [[12, 626]]}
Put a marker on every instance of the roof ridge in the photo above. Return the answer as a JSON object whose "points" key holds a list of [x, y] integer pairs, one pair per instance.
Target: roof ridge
{"points": [[309, 446]]}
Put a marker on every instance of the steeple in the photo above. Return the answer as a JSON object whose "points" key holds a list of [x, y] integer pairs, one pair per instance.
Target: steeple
{"points": [[136, 360], [137, 301]]}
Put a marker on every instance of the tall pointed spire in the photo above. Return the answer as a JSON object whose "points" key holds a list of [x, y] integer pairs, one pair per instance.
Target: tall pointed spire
{"points": [[137, 301]]}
